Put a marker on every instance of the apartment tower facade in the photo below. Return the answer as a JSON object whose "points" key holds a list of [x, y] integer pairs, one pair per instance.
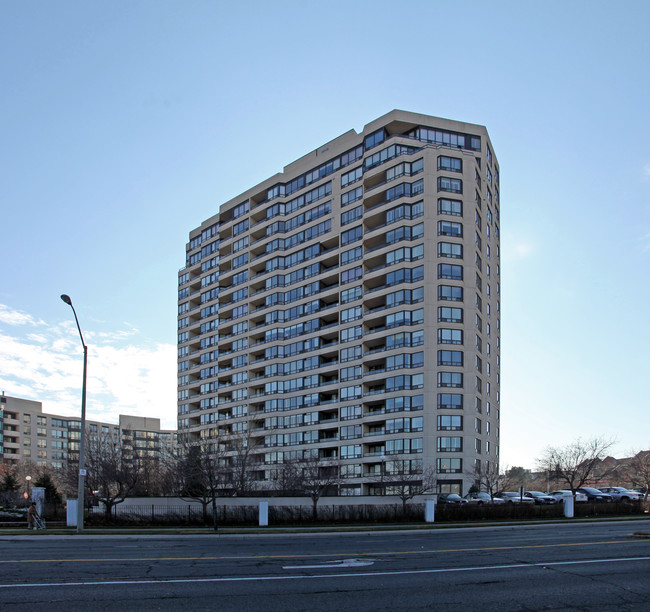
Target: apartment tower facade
{"points": [[348, 309]]}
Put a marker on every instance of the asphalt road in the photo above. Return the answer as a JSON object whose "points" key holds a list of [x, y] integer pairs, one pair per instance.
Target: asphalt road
{"points": [[580, 566]]}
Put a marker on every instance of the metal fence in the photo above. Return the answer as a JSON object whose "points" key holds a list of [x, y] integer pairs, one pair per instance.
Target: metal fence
{"points": [[192, 514]]}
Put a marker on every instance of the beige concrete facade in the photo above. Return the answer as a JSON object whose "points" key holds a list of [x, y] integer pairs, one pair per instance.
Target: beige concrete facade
{"points": [[27, 434], [350, 307]]}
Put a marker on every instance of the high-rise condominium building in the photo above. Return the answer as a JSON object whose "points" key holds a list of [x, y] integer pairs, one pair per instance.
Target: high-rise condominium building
{"points": [[348, 309]]}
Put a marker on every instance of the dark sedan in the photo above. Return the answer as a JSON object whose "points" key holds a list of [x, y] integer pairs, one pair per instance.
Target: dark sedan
{"points": [[595, 495], [451, 498], [540, 498]]}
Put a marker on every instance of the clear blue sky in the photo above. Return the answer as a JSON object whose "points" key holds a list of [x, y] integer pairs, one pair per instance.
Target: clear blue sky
{"points": [[125, 124]]}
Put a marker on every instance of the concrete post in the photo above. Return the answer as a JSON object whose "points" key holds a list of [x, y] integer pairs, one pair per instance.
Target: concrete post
{"points": [[71, 513], [568, 505], [429, 510], [264, 513]]}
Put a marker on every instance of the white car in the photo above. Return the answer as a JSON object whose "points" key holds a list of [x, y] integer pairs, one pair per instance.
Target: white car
{"points": [[482, 498], [510, 497], [622, 494], [559, 495]]}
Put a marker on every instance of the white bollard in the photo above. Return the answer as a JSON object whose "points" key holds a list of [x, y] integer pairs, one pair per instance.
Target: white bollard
{"points": [[568, 505], [264, 513], [429, 510], [71, 513]]}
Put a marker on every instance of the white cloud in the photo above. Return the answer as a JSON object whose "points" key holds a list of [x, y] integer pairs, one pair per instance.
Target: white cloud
{"points": [[126, 373], [15, 317]]}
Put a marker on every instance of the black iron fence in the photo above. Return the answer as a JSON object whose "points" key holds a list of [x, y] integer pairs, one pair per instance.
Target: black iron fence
{"points": [[228, 515]]}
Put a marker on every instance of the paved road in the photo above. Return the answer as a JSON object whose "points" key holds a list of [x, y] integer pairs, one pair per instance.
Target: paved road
{"points": [[580, 566]]}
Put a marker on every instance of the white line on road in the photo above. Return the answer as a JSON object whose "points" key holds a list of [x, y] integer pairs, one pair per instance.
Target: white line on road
{"points": [[302, 577], [341, 563]]}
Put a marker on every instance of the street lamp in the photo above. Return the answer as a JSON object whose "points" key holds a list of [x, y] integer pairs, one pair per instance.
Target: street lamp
{"points": [[28, 478], [82, 438]]}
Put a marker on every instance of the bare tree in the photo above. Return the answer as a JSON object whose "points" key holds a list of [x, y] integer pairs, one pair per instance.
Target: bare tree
{"points": [[638, 471], [488, 478], [309, 475], [112, 475], [406, 478], [241, 462], [201, 474], [574, 464]]}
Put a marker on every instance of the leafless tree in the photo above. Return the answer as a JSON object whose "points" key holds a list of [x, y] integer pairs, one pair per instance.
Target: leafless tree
{"points": [[406, 478], [201, 474], [241, 462], [573, 465], [156, 476], [637, 471], [309, 475], [488, 478], [112, 474]]}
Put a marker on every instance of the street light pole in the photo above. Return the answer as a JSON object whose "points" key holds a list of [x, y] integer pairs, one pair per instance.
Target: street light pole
{"points": [[82, 436]]}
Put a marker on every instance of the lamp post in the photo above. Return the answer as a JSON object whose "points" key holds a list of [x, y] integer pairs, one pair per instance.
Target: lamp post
{"points": [[82, 435], [28, 479]]}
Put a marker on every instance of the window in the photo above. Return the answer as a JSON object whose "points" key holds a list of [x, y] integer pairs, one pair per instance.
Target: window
{"points": [[450, 379], [351, 196], [450, 422], [351, 235], [351, 333], [450, 249], [374, 139], [453, 164], [351, 177], [450, 358], [450, 401], [351, 452], [449, 444], [352, 255], [240, 227], [350, 412], [449, 465], [351, 373], [450, 228], [349, 432], [450, 207], [351, 314], [450, 315], [350, 353], [351, 275], [450, 293], [450, 271], [350, 295], [450, 336], [450, 184]]}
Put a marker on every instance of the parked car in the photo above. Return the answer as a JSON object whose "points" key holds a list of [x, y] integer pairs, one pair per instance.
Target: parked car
{"points": [[622, 494], [510, 497], [595, 495], [450, 498], [540, 498], [559, 495], [482, 498]]}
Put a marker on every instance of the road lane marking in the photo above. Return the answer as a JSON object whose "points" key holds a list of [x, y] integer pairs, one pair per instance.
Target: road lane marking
{"points": [[323, 555], [341, 563], [448, 570]]}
